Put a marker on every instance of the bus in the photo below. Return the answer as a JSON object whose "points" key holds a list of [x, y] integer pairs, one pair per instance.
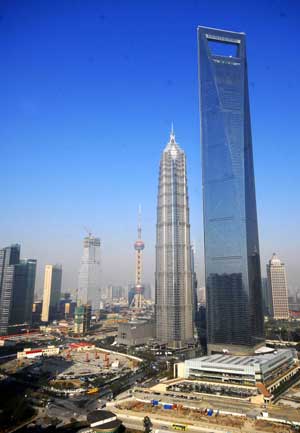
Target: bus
{"points": [[180, 427]]}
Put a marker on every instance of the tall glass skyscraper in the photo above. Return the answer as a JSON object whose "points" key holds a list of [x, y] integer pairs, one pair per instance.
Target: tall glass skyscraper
{"points": [[232, 262], [173, 277], [23, 293], [17, 282], [9, 257], [89, 273]]}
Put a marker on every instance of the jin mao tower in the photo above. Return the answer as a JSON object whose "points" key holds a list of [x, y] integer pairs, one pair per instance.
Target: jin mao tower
{"points": [[173, 278]]}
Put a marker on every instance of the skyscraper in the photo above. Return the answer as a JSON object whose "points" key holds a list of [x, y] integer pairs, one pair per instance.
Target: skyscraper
{"points": [[277, 286], [266, 297], [9, 257], [232, 262], [23, 292], [173, 277], [89, 273], [52, 292], [17, 282]]}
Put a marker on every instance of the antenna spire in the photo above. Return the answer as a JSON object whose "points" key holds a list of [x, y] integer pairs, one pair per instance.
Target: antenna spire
{"points": [[140, 222], [172, 134]]}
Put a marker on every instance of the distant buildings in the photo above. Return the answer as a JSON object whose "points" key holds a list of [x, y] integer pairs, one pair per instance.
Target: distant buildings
{"points": [[232, 262], [111, 292], [67, 307], [17, 282], [89, 273], [52, 292], [37, 307], [277, 285], [173, 277], [82, 321], [131, 293]]}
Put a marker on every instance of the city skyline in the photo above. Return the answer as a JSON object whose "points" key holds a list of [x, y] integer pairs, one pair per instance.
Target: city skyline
{"points": [[45, 209]]}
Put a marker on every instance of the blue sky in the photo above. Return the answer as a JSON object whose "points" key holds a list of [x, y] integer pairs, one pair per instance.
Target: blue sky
{"points": [[88, 93]]}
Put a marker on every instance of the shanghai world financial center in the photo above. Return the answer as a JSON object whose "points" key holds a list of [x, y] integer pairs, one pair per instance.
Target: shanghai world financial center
{"points": [[232, 262]]}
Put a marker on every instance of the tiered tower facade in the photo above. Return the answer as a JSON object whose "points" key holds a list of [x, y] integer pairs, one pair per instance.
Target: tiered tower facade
{"points": [[173, 278]]}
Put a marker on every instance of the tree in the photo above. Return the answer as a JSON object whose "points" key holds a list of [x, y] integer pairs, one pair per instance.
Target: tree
{"points": [[147, 425]]}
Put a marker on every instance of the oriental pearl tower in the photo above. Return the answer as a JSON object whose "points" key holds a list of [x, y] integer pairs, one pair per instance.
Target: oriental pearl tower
{"points": [[138, 299]]}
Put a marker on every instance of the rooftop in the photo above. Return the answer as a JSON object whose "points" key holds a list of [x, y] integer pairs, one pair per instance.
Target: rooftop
{"points": [[241, 360]]}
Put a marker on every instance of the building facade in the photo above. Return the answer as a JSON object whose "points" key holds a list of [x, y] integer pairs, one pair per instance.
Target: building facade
{"points": [[52, 292], [89, 273], [173, 277], [238, 376], [82, 320], [23, 292], [232, 261], [135, 332], [278, 290], [266, 296], [9, 257]]}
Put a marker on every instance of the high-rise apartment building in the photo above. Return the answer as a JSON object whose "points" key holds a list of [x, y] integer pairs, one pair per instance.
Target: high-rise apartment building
{"points": [[173, 277], [23, 293], [89, 273], [277, 286], [52, 292], [9, 257], [232, 262]]}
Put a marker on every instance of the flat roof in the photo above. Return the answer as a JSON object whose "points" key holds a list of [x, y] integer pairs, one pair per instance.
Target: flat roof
{"points": [[241, 360]]}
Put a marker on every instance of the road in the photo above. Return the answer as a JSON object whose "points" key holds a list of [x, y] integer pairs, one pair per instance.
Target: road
{"points": [[203, 401], [164, 426]]}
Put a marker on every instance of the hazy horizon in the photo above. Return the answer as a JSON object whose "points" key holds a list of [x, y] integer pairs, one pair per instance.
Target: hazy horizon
{"points": [[91, 90]]}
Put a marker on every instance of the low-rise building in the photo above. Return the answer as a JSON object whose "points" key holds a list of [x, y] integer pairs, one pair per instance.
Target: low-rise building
{"points": [[228, 375], [135, 332], [35, 353]]}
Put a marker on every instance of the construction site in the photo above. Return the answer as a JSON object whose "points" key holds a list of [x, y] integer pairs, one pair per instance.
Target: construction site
{"points": [[77, 369], [89, 361]]}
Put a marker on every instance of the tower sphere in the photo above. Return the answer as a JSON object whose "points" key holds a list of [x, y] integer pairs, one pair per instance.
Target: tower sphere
{"points": [[139, 245]]}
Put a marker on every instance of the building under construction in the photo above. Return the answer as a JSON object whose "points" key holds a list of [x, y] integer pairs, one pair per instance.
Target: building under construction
{"points": [[82, 321]]}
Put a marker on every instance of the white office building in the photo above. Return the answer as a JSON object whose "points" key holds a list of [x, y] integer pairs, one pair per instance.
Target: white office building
{"points": [[277, 286]]}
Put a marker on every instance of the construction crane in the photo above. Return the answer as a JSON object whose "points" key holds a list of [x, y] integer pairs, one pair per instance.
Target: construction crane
{"points": [[88, 230]]}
